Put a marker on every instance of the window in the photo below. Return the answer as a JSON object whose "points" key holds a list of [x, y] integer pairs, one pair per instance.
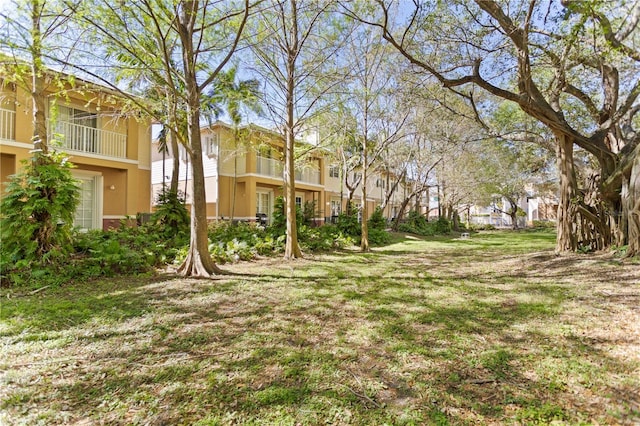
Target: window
{"points": [[334, 172], [298, 201], [335, 207], [263, 205], [381, 183], [7, 117], [211, 144]]}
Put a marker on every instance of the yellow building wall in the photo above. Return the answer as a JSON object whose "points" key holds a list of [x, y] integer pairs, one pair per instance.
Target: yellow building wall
{"points": [[130, 178], [7, 168]]}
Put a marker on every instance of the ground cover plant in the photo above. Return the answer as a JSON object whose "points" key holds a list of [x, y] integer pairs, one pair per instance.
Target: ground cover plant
{"points": [[494, 329]]}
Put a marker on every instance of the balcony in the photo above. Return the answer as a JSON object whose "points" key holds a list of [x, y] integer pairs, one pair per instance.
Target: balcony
{"points": [[269, 167], [78, 138], [7, 124], [308, 176]]}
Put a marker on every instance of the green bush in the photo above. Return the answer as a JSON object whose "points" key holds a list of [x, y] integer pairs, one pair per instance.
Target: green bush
{"points": [[278, 225], [323, 238], [544, 224], [38, 212], [418, 224], [309, 213], [171, 214], [482, 227], [379, 237], [348, 224], [377, 220], [377, 225], [230, 241], [442, 226], [97, 253]]}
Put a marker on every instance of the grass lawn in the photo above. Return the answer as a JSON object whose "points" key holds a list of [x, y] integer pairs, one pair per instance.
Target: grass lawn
{"points": [[494, 329]]}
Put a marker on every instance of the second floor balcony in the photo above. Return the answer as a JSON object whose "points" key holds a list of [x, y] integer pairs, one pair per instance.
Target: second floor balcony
{"points": [[308, 176], [86, 139], [269, 167], [72, 137], [273, 168]]}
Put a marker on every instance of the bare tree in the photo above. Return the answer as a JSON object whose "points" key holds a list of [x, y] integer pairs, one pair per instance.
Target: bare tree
{"points": [[292, 50]]}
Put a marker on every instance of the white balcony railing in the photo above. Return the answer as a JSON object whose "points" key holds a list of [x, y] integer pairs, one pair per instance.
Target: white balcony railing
{"points": [[269, 167], [273, 168], [308, 176], [75, 137], [7, 124]]}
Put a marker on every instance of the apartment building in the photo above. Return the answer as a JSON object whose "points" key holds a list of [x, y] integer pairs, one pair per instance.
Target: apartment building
{"points": [[111, 152], [243, 171], [380, 183]]}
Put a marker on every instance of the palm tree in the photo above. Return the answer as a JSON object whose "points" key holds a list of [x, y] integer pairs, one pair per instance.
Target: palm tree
{"points": [[233, 95]]}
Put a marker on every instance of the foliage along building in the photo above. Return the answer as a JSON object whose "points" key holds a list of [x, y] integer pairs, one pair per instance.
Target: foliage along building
{"points": [[111, 151], [243, 171]]}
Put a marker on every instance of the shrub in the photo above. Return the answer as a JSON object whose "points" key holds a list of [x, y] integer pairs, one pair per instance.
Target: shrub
{"points": [[278, 225], [442, 226], [322, 238], [379, 237], [309, 213], [97, 253], [241, 241], [377, 220], [171, 213], [417, 224], [348, 224], [482, 227], [377, 225], [38, 212], [544, 224]]}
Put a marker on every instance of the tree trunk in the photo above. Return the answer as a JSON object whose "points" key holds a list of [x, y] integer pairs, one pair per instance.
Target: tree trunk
{"points": [[173, 142], [292, 248], [566, 238], [198, 262], [632, 207], [455, 221], [40, 140], [364, 228]]}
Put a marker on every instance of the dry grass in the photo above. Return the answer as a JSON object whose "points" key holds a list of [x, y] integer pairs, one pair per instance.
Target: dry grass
{"points": [[491, 330]]}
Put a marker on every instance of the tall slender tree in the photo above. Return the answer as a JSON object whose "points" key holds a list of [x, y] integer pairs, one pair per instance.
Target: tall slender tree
{"points": [[293, 48]]}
